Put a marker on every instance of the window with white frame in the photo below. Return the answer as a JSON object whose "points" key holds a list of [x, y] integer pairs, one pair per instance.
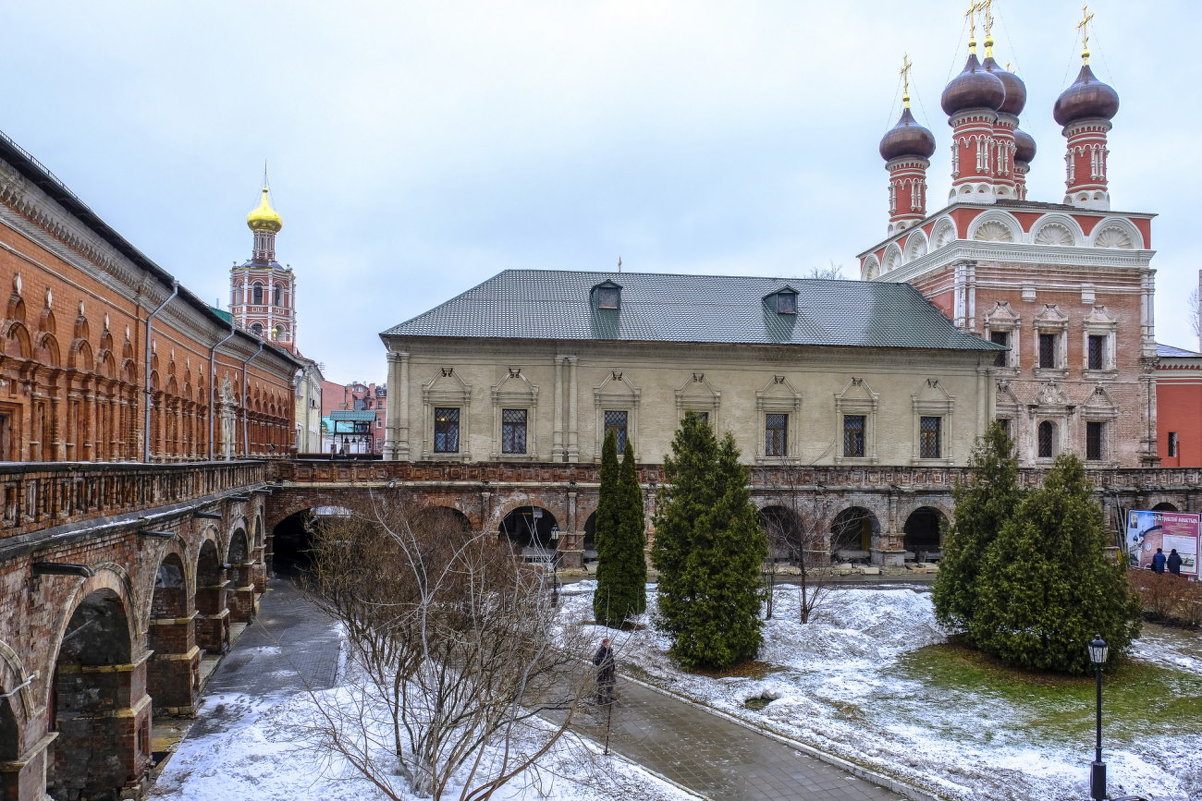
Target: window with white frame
{"points": [[446, 429], [513, 431], [1095, 441], [776, 434]]}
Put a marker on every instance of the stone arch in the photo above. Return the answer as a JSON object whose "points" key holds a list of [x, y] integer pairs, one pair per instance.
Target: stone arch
{"points": [[785, 534], [15, 709], [1057, 230], [995, 226], [173, 677], [871, 268], [528, 528], [442, 518], [241, 596], [852, 532], [1117, 232], [103, 727], [916, 245], [589, 542], [16, 341], [1165, 506], [893, 258], [212, 622], [923, 532], [943, 234], [48, 354]]}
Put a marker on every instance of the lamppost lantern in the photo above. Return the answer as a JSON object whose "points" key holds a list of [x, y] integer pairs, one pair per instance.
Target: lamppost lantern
{"points": [[1097, 774]]}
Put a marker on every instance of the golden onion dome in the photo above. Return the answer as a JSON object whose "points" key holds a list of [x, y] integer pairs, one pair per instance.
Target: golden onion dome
{"points": [[264, 217]]}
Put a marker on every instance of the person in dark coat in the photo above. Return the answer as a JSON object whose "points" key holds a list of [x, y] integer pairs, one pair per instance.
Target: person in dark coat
{"points": [[1174, 562], [1158, 561], [607, 672]]}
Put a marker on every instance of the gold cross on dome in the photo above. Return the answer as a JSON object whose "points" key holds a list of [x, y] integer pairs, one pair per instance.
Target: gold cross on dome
{"points": [[974, 8], [905, 74], [1083, 25]]}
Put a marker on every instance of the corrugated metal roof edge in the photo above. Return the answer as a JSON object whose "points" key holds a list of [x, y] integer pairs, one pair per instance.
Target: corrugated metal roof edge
{"points": [[983, 345]]}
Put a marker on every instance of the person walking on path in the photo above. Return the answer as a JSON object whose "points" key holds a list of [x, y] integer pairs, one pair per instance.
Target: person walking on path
{"points": [[1158, 561], [1174, 562], [607, 672]]}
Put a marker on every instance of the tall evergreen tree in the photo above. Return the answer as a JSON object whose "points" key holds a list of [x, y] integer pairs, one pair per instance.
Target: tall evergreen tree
{"points": [[1046, 584], [709, 549], [983, 504], [606, 535], [629, 593]]}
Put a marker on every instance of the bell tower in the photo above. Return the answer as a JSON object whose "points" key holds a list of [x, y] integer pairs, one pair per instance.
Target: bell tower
{"points": [[262, 291]]}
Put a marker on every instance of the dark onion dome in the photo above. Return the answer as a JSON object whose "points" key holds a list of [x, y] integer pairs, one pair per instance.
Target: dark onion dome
{"points": [[1016, 90], [1024, 146], [975, 87], [1087, 99], [907, 138]]}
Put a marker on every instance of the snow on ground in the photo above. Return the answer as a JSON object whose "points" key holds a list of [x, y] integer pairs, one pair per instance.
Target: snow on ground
{"points": [[256, 748], [840, 686]]}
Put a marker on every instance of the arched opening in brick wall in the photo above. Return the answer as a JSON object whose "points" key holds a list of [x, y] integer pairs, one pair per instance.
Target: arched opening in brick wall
{"points": [[174, 671], [852, 532], [10, 743], [103, 730], [1164, 507], [291, 541], [785, 536], [442, 518], [240, 595], [924, 534], [590, 538], [212, 621], [529, 530]]}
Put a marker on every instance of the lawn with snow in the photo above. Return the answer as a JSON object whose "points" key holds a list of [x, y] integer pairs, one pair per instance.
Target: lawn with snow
{"points": [[871, 680]]}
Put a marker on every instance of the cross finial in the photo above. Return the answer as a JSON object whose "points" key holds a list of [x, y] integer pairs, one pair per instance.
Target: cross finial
{"points": [[264, 173], [619, 264], [974, 8], [987, 24], [1083, 25], [905, 74]]}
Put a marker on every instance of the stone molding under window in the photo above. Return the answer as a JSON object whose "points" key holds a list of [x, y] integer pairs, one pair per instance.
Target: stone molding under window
{"points": [[616, 394], [1004, 327], [1098, 412], [933, 409], [446, 391], [778, 397], [857, 400], [514, 394], [1051, 343]]}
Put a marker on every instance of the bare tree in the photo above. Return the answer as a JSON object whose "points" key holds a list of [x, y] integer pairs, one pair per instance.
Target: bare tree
{"points": [[466, 679], [1195, 311], [800, 535], [832, 270]]}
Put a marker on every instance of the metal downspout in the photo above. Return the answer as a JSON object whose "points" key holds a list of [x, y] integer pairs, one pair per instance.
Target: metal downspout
{"points": [[148, 390], [213, 392]]}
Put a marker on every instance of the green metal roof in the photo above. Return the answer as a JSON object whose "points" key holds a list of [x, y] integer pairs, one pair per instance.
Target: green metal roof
{"points": [[555, 304]]}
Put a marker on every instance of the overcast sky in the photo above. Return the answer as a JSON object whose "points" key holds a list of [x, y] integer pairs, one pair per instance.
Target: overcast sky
{"points": [[416, 149]]}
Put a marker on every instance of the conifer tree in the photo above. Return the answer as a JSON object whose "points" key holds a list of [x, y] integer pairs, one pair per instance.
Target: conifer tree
{"points": [[709, 550], [1047, 586], [606, 535], [983, 504]]}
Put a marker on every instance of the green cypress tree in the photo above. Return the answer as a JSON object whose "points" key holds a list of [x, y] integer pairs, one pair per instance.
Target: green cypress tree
{"points": [[709, 550], [629, 595], [1046, 584], [983, 504], [606, 535]]}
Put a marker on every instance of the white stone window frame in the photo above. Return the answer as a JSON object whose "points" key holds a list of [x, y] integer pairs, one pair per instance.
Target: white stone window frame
{"points": [[1059, 329], [1098, 325], [439, 392], [1100, 408], [778, 397], [1059, 423], [942, 409], [698, 395], [616, 394], [1002, 318], [515, 392], [867, 406]]}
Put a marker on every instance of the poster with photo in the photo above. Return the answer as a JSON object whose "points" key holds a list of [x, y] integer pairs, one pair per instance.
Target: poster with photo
{"points": [[1169, 531]]}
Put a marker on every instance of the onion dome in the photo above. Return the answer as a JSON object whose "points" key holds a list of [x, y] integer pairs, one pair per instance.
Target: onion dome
{"points": [[264, 217], [1016, 90], [1024, 146], [1086, 99], [975, 87], [907, 138]]}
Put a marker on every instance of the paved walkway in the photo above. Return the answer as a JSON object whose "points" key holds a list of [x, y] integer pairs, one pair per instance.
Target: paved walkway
{"points": [[698, 750]]}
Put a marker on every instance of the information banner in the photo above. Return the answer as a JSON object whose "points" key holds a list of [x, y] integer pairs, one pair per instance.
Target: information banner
{"points": [[1168, 531]]}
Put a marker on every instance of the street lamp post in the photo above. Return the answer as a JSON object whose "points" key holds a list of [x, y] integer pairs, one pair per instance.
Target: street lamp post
{"points": [[1097, 776]]}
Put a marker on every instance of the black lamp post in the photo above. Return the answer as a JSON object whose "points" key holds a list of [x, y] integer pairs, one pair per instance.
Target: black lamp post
{"points": [[1097, 775]]}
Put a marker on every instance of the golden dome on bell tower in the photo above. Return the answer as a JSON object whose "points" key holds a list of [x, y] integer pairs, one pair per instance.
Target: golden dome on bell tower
{"points": [[264, 217]]}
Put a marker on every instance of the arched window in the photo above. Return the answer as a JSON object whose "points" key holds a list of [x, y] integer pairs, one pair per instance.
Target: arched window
{"points": [[278, 300], [256, 294], [1047, 440], [257, 330]]}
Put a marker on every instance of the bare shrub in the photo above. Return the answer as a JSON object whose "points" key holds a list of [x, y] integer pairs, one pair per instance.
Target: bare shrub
{"points": [[1168, 598], [458, 656]]}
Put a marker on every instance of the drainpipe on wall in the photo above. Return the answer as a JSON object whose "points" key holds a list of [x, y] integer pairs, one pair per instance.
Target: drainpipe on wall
{"points": [[146, 410], [246, 399], [213, 392]]}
